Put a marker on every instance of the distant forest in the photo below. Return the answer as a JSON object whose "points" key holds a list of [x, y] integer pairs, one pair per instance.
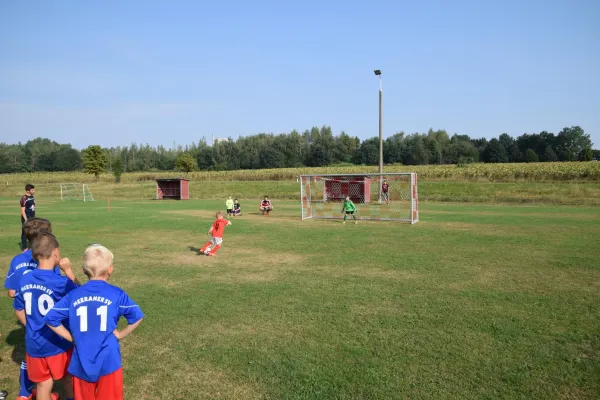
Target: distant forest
{"points": [[313, 148]]}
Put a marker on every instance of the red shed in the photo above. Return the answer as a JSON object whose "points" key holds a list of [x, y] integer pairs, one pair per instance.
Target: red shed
{"points": [[175, 188]]}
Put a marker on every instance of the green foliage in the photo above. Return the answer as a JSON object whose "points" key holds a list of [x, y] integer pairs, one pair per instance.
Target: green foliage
{"points": [[185, 163], [550, 155], [94, 160], [586, 154], [532, 156], [315, 147], [117, 169], [495, 152], [464, 161]]}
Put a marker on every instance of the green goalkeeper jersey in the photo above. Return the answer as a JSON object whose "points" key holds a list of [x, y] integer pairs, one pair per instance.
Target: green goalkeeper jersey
{"points": [[348, 206]]}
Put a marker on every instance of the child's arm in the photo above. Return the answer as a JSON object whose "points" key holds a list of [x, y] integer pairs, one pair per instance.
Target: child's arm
{"points": [[65, 266], [62, 332], [210, 230], [21, 316], [132, 313], [130, 328]]}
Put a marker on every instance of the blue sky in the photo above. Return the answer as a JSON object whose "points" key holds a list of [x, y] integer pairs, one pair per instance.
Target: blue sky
{"points": [[164, 72]]}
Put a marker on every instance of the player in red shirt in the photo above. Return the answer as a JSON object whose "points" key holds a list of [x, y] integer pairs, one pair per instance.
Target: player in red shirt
{"points": [[216, 232], [266, 206]]}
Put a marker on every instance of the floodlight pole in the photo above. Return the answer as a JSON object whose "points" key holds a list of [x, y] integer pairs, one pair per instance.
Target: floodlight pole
{"points": [[378, 73]]}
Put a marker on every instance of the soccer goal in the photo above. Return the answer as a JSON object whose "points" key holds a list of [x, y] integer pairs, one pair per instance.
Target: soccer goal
{"points": [[382, 197], [75, 191]]}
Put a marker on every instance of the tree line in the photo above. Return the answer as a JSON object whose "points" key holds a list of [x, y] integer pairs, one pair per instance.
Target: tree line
{"points": [[314, 147]]}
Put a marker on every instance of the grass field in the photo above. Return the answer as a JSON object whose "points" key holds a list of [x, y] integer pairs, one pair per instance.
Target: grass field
{"points": [[474, 302]]}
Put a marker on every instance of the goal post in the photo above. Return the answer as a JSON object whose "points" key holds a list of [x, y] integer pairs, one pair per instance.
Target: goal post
{"points": [[379, 197], [75, 191]]}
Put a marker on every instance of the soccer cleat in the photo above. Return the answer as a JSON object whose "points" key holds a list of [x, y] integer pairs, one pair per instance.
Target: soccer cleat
{"points": [[356, 222], [343, 222], [3, 395]]}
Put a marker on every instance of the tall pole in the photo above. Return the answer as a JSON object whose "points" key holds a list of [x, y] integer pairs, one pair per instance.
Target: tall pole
{"points": [[380, 136]]}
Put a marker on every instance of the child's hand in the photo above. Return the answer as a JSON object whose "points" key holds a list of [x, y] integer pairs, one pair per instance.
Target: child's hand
{"points": [[64, 264], [228, 222], [117, 334]]}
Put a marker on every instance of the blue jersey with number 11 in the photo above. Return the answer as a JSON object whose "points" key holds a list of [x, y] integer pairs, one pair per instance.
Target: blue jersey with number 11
{"points": [[93, 311]]}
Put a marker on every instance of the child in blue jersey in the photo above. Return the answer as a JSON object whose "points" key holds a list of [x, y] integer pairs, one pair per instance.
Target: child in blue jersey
{"points": [[21, 263], [47, 354], [93, 311]]}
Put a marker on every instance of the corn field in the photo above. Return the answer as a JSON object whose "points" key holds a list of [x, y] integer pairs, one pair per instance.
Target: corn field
{"points": [[558, 171]]}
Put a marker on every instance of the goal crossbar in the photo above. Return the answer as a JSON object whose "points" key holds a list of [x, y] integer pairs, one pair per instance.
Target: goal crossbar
{"points": [[391, 196]]}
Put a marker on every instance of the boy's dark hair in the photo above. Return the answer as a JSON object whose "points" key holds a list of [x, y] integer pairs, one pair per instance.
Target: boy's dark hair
{"points": [[28, 187], [43, 245], [35, 226], [235, 200]]}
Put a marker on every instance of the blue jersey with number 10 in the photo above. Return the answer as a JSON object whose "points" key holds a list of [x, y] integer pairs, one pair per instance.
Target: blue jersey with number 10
{"points": [[93, 311], [39, 290]]}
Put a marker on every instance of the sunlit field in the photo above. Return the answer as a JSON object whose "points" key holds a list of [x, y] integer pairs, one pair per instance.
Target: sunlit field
{"points": [[475, 301]]}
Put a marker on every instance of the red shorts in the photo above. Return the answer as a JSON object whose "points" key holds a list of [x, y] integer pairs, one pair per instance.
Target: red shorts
{"points": [[108, 387], [40, 369]]}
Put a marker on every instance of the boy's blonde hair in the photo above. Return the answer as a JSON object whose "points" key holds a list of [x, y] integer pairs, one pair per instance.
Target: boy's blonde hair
{"points": [[219, 214], [96, 260]]}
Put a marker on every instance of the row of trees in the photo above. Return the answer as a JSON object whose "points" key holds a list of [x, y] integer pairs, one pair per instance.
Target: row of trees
{"points": [[314, 147]]}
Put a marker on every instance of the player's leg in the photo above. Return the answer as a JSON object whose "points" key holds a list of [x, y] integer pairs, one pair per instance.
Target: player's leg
{"points": [[25, 384], [58, 366], [110, 387], [354, 216], [23, 236], [218, 242], [39, 372], [207, 246], [84, 390]]}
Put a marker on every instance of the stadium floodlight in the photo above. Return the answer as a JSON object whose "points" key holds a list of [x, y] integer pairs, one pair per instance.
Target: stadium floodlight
{"points": [[322, 196], [378, 73]]}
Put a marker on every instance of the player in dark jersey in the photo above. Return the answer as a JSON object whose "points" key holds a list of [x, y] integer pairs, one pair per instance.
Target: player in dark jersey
{"points": [[27, 211], [385, 192], [237, 208]]}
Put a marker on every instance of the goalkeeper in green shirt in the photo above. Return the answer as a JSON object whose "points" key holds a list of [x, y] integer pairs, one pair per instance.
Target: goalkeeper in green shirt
{"points": [[229, 206], [349, 208]]}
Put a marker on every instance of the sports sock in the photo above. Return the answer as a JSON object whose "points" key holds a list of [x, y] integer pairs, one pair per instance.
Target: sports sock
{"points": [[354, 216], [214, 250], [25, 385], [206, 246]]}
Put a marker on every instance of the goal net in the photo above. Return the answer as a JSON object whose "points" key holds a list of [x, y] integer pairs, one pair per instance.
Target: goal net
{"points": [[75, 191], [383, 197]]}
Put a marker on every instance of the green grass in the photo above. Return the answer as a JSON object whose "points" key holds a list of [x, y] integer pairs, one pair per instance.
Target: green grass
{"points": [[473, 302]]}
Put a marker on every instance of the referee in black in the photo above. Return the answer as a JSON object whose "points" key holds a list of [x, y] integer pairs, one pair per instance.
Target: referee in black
{"points": [[27, 212]]}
